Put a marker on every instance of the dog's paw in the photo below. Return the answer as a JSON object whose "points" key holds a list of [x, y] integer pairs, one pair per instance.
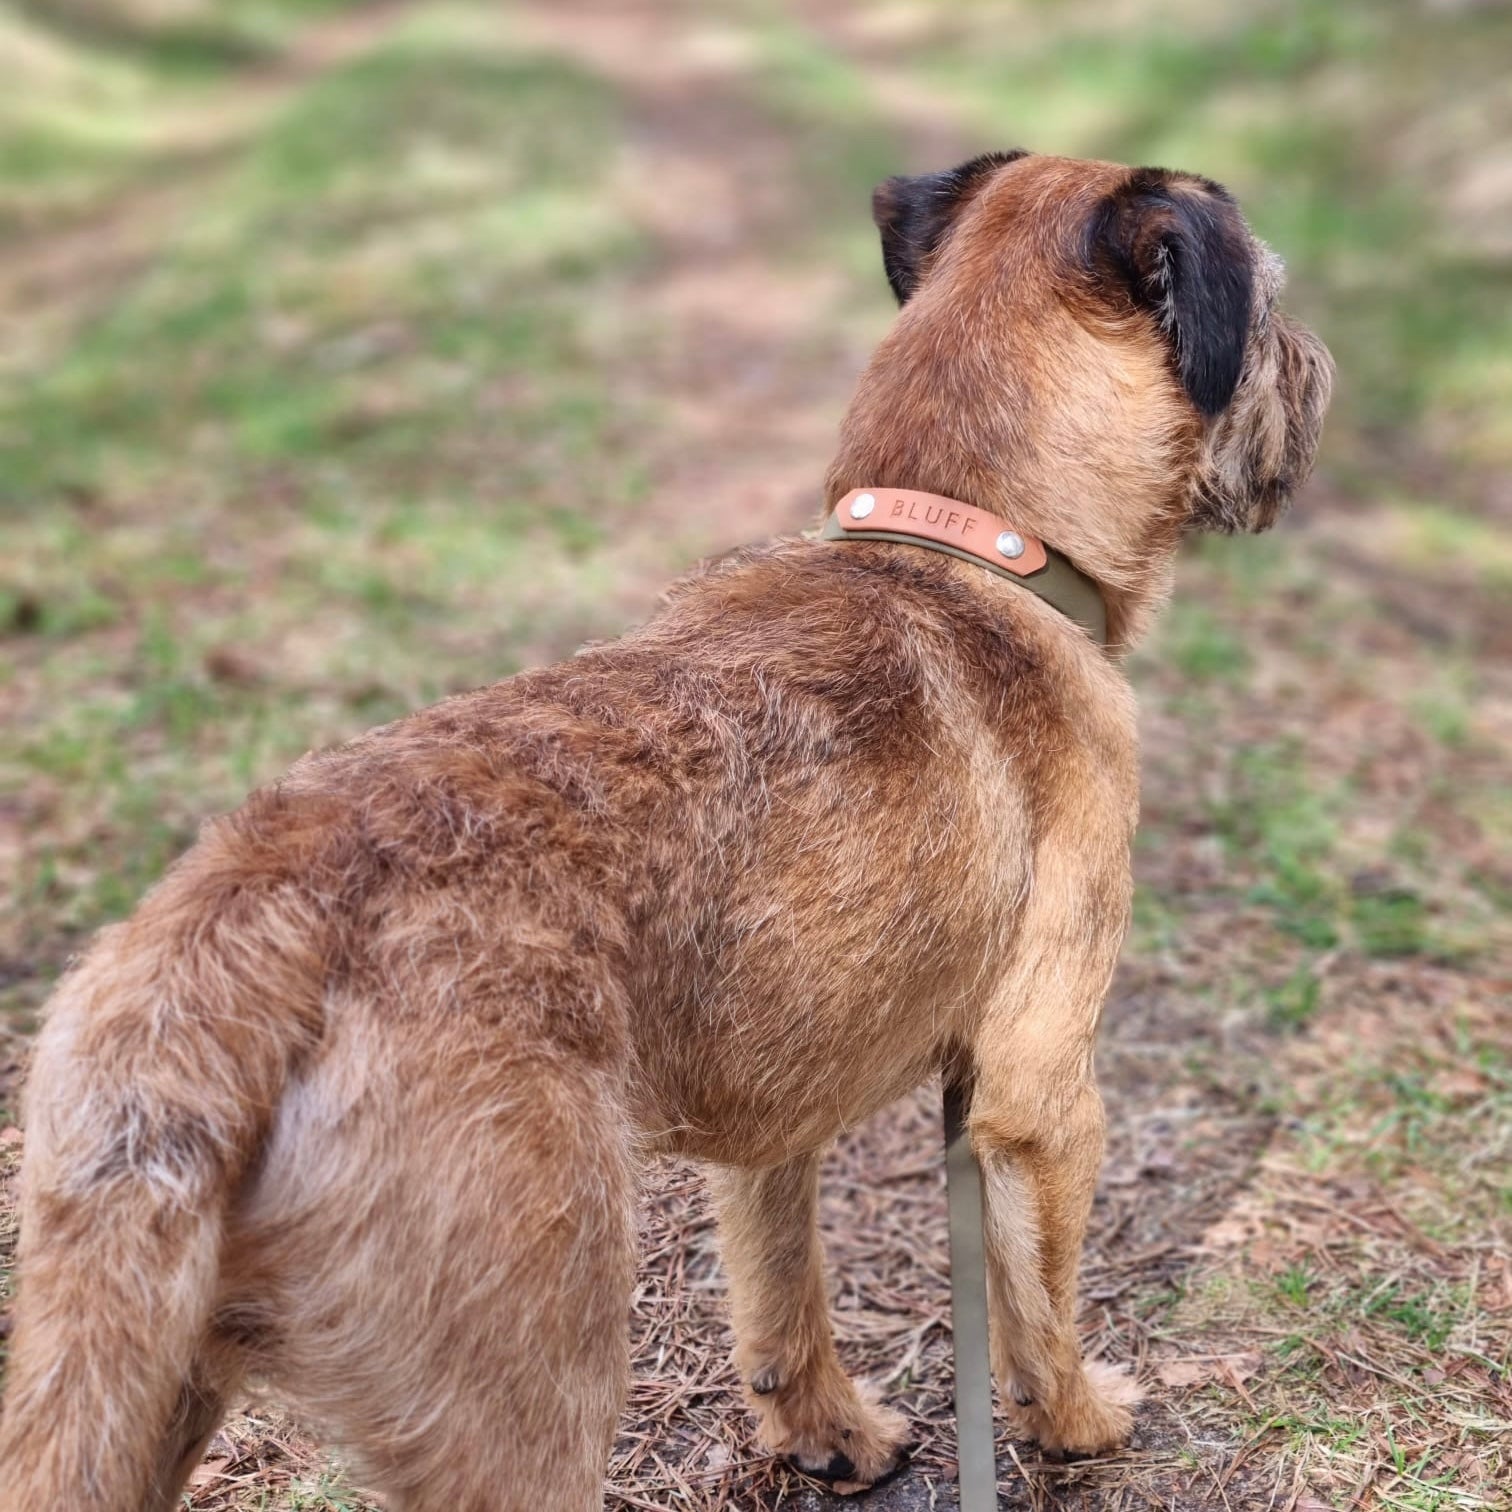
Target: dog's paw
{"points": [[831, 1430], [1094, 1417]]}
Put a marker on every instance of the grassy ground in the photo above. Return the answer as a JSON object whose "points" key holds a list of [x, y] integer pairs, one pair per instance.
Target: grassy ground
{"points": [[355, 354]]}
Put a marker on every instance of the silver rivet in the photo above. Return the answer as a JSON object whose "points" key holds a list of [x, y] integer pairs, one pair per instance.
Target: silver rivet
{"points": [[862, 505], [1010, 544]]}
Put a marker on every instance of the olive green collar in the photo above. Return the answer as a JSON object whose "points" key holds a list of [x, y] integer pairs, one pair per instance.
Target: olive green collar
{"points": [[912, 518]]}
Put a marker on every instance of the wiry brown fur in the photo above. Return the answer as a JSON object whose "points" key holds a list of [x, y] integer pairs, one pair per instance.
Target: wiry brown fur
{"points": [[354, 1103]]}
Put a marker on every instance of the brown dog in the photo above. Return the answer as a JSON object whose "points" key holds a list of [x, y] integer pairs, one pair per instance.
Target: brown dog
{"points": [[355, 1102]]}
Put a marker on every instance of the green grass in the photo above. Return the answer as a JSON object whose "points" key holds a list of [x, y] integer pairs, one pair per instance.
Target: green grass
{"points": [[1289, 831], [348, 418], [1294, 1002], [99, 92], [815, 93], [325, 1494], [1273, 815], [1202, 647], [1294, 1285], [366, 303], [195, 35]]}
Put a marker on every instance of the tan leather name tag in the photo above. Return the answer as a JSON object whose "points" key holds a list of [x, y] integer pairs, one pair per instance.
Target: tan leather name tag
{"points": [[932, 517]]}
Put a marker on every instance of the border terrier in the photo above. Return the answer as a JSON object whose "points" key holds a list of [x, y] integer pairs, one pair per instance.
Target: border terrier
{"points": [[355, 1103]]}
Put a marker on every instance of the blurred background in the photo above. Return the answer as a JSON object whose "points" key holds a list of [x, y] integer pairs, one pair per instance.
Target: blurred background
{"points": [[351, 354]]}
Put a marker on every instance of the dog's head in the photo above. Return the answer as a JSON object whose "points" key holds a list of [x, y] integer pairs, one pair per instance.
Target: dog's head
{"points": [[1126, 314]]}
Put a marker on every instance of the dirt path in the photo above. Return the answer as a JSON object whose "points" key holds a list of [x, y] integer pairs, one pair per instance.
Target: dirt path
{"points": [[751, 362]]}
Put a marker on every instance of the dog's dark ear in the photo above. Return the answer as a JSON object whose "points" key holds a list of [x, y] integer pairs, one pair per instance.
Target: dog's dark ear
{"points": [[914, 215], [1184, 251]]}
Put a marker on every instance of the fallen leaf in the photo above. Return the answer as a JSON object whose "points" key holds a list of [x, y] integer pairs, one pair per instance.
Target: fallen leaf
{"points": [[225, 664], [1224, 1369], [1459, 1084], [1227, 1233], [207, 1471], [1160, 1161], [1264, 1255]]}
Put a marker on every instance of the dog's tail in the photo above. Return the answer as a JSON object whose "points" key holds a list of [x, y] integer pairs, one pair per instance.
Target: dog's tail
{"points": [[163, 1057]]}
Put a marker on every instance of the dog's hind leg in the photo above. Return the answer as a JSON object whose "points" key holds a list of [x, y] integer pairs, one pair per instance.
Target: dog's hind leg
{"points": [[201, 1406], [810, 1410], [446, 1253]]}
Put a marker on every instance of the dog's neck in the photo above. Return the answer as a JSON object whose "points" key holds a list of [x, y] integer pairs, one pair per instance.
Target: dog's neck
{"points": [[1089, 475]]}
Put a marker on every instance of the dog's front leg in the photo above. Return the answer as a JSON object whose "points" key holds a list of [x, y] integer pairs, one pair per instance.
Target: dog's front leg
{"points": [[810, 1410], [1037, 1126]]}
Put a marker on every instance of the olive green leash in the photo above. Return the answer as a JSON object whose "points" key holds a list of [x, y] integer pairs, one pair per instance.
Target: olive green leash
{"points": [[976, 1444]]}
